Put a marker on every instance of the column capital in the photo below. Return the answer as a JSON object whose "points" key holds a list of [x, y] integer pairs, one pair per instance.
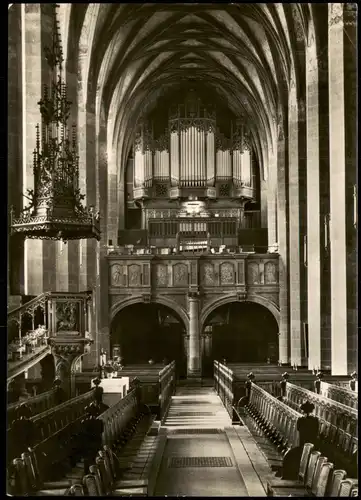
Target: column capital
{"points": [[193, 295]]}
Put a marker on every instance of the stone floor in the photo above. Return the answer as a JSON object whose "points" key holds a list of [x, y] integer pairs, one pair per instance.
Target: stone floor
{"points": [[204, 454]]}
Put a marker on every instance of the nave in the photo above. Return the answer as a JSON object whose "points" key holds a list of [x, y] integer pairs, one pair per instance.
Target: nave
{"points": [[233, 435]]}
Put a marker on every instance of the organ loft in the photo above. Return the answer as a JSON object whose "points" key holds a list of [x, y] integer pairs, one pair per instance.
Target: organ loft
{"points": [[192, 178], [182, 249]]}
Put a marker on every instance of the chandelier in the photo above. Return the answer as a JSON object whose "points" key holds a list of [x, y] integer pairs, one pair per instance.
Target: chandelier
{"points": [[56, 211]]}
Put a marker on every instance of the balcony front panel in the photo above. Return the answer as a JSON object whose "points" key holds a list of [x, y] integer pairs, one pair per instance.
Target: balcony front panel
{"points": [[253, 272]]}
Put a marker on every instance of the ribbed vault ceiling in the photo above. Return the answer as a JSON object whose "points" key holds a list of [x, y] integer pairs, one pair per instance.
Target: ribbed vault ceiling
{"points": [[245, 54]]}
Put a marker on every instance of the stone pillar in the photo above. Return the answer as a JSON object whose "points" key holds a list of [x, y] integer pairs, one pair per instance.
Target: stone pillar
{"points": [[194, 352], [282, 236], [342, 238], [272, 202], [264, 204], [317, 256], [207, 345], [294, 210], [186, 344], [37, 21], [15, 144]]}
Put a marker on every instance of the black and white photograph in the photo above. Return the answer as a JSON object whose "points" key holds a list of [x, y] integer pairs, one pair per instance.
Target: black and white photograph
{"points": [[182, 234]]}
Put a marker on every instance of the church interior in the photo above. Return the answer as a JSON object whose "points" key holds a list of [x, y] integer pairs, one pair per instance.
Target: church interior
{"points": [[182, 250]]}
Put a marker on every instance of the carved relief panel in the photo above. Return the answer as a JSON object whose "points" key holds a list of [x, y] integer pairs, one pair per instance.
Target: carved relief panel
{"points": [[227, 273], [270, 273], [161, 275], [117, 275], [180, 274], [67, 317], [134, 275], [208, 274], [253, 276]]}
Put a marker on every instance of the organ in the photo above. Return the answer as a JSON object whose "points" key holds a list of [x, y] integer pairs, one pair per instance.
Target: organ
{"points": [[192, 177], [192, 156]]}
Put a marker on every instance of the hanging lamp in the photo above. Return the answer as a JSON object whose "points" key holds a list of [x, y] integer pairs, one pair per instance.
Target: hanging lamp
{"points": [[56, 211]]}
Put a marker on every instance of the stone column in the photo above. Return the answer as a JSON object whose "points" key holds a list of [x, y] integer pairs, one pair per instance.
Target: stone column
{"points": [[272, 202], [295, 169], [186, 344], [194, 354], [208, 345], [313, 207], [342, 234], [36, 29], [282, 236]]}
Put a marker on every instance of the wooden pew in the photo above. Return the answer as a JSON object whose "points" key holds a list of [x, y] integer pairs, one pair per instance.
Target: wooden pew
{"points": [[338, 423], [36, 404], [157, 384], [119, 424], [117, 418], [51, 421], [279, 419], [317, 477], [60, 416], [340, 394]]}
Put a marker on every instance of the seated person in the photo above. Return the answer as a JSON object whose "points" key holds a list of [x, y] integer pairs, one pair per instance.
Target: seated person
{"points": [[97, 406], [307, 425]]}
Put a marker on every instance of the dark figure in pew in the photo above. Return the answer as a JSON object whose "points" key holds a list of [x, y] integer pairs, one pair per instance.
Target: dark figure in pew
{"points": [[317, 382], [92, 435], [23, 432], [13, 392], [98, 400], [353, 382], [251, 377], [307, 425], [60, 396]]}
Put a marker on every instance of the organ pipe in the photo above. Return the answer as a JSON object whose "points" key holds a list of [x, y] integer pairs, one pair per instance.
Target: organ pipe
{"points": [[138, 169], [210, 157], [174, 160], [192, 152], [246, 167]]}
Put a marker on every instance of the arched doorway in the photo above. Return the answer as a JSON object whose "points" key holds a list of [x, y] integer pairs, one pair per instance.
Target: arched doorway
{"points": [[242, 332], [144, 331]]}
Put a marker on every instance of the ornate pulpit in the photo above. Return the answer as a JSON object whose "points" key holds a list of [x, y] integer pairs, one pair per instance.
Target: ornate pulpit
{"points": [[69, 317]]}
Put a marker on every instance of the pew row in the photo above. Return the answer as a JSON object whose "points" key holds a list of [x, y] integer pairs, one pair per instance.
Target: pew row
{"points": [[316, 477], [340, 394], [36, 404], [29, 471], [51, 421]]}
